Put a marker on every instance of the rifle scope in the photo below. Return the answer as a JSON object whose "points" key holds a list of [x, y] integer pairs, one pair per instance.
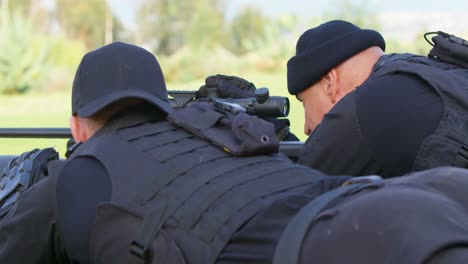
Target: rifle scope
{"points": [[261, 105]]}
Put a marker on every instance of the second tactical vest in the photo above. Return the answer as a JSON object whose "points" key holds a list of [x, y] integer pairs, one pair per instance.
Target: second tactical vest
{"points": [[448, 144], [176, 198]]}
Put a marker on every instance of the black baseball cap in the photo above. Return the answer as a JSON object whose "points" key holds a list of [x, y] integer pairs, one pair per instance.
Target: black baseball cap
{"points": [[114, 72]]}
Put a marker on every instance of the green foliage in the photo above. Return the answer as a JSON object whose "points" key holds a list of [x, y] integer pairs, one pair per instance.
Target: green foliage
{"points": [[249, 26], [66, 52], [34, 110], [86, 20], [361, 13], [270, 50], [418, 45], [206, 28], [190, 63], [23, 61], [162, 24], [170, 25], [22, 6]]}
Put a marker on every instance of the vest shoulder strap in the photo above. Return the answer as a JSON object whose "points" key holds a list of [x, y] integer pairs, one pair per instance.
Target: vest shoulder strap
{"points": [[289, 246]]}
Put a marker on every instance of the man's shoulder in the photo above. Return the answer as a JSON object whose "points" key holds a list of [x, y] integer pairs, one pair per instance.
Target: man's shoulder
{"points": [[381, 88]]}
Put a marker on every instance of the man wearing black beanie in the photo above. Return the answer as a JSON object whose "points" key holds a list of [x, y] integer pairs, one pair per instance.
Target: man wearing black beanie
{"points": [[370, 113]]}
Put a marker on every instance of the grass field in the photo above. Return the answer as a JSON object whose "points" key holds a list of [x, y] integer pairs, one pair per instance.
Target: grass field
{"points": [[53, 110]]}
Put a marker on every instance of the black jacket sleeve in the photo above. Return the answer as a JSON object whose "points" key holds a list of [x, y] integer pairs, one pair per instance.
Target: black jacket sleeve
{"points": [[83, 184], [28, 231]]}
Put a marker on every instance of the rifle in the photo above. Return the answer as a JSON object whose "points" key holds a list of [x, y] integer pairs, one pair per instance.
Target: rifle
{"points": [[262, 104], [288, 148]]}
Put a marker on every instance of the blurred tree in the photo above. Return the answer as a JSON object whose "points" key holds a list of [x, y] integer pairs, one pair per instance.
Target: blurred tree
{"points": [[34, 10], [25, 60], [22, 5], [207, 26], [162, 23], [270, 50], [167, 25], [86, 20], [248, 26], [361, 13]]}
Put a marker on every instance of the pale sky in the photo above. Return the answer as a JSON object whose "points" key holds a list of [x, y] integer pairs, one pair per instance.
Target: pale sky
{"points": [[308, 8]]}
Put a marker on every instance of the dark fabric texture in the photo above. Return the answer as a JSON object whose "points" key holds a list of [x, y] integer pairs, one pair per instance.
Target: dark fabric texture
{"points": [[168, 185], [226, 87], [82, 186], [447, 145], [376, 129], [256, 241], [419, 218], [322, 48], [114, 72], [240, 134], [28, 232], [337, 146], [396, 113]]}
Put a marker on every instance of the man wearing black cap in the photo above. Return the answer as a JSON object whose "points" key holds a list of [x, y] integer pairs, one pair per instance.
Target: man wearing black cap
{"points": [[139, 189], [370, 113]]}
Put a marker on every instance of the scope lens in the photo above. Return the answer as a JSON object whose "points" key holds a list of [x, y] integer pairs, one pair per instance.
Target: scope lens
{"points": [[285, 107]]}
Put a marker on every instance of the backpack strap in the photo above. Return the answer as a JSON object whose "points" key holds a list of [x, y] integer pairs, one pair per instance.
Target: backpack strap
{"points": [[289, 246]]}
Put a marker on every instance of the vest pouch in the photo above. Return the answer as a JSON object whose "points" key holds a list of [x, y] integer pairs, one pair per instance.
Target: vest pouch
{"points": [[113, 234], [239, 134], [450, 48]]}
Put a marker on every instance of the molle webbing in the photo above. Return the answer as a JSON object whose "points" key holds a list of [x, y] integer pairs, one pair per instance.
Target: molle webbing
{"points": [[201, 188], [171, 150], [199, 194], [238, 198], [177, 167], [164, 138], [146, 130], [192, 209]]}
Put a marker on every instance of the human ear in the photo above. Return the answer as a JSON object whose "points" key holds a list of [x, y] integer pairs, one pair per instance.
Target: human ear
{"points": [[331, 85], [77, 128]]}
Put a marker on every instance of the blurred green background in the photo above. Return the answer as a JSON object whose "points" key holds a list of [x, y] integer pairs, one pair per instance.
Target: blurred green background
{"points": [[43, 41]]}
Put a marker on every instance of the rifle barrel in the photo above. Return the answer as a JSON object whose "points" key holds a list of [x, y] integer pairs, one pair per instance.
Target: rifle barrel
{"points": [[35, 133]]}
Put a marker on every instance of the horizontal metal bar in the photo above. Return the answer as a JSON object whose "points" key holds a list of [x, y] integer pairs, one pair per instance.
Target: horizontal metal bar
{"points": [[35, 133]]}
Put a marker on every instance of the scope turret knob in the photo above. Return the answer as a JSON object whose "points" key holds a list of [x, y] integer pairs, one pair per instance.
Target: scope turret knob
{"points": [[262, 94]]}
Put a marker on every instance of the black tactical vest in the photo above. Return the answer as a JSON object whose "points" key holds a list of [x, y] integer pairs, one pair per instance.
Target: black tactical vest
{"points": [[176, 198], [448, 145]]}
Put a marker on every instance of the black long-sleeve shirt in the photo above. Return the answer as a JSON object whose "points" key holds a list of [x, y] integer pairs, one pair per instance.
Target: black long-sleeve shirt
{"points": [[376, 129]]}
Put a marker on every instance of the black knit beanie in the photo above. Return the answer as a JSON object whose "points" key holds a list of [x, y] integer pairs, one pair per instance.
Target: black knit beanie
{"points": [[322, 48]]}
